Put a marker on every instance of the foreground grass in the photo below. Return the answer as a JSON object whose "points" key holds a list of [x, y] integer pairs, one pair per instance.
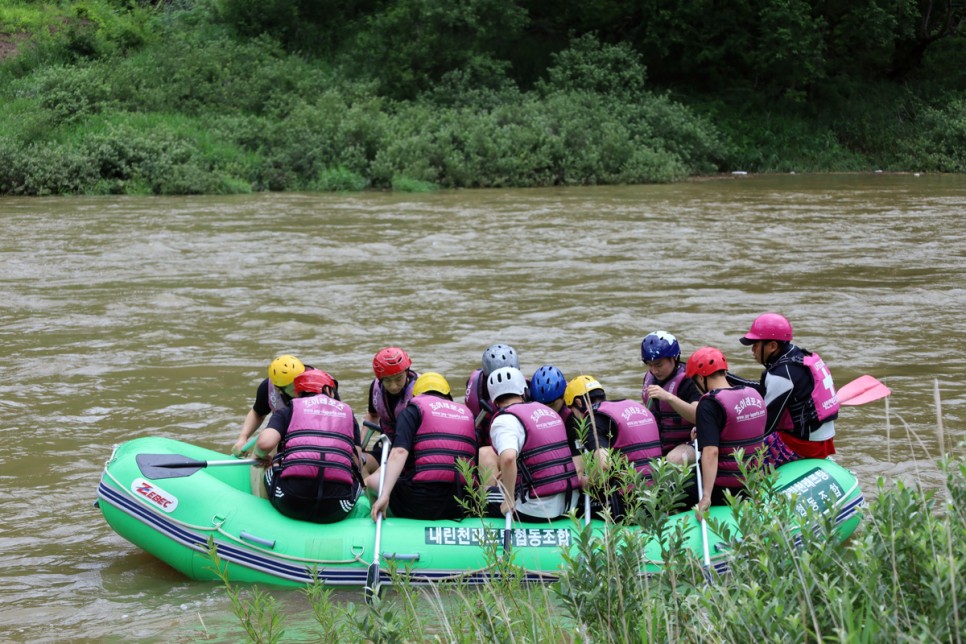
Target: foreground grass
{"points": [[900, 578]]}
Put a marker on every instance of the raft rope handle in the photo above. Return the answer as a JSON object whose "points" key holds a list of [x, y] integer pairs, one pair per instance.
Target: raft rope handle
{"points": [[280, 555]]}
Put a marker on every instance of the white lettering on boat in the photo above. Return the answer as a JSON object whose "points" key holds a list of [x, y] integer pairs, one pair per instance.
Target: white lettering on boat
{"points": [[154, 495], [815, 491], [522, 537]]}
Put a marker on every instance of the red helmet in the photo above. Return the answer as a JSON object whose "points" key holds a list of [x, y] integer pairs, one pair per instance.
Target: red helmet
{"points": [[390, 361], [704, 362], [314, 380], [768, 326]]}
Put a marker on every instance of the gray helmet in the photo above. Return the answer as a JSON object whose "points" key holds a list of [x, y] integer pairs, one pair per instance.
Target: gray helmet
{"points": [[506, 380], [499, 355]]}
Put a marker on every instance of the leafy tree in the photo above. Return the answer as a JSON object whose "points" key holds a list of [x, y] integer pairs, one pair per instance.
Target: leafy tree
{"points": [[411, 44], [318, 26], [590, 66]]}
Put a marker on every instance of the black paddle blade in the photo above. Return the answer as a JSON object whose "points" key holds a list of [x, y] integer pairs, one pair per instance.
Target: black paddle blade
{"points": [[167, 466], [372, 582]]}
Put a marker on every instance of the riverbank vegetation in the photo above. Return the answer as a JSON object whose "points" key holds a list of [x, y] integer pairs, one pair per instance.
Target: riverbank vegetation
{"points": [[900, 579], [224, 96]]}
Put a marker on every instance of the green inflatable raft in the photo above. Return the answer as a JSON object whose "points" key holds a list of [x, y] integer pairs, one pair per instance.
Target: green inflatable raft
{"points": [[172, 514]]}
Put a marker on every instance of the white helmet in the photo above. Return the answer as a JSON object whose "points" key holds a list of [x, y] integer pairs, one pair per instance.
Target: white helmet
{"points": [[504, 381]]}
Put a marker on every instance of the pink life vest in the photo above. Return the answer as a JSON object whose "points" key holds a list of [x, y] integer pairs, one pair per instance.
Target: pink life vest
{"points": [[821, 406], [321, 433], [545, 465], [445, 434], [477, 400], [674, 429], [745, 424], [637, 437], [387, 416]]}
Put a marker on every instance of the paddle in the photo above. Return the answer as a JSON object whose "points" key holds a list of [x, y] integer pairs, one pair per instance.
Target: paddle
{"points": [[169, 466], [372, 427], [863, 389], [508, 534], [251, 443], [704, 524], [373, 575]]}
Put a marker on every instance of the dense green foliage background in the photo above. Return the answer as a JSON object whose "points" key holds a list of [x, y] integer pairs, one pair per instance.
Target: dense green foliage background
{"points": [[219, 96]]}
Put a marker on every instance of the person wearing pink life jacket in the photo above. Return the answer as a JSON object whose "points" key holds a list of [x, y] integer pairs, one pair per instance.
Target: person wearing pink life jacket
{"points": [[548, 386], [728, 418], [670, 396], [798, 390], [315, 476], [432, 434], [389, 394], [620, 427], [538, 476], [477, 399]]}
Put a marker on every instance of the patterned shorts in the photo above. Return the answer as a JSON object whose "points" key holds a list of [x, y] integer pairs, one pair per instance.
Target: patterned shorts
{"points": [[777, 452]]}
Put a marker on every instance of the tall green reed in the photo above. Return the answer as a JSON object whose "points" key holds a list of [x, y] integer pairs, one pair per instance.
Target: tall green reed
{"points": [[899, 578]]}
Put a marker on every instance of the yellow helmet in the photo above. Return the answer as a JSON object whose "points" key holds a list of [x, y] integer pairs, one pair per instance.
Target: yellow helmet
{"points": [[580, 386], [431, 381], [283, 370]]}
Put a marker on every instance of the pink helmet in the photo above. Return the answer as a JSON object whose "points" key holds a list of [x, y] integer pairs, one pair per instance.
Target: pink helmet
{"points": [[704, 362], [390, 361], [768, 326]]}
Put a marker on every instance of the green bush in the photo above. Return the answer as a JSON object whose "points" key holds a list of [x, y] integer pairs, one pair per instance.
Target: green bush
{"points": [[409, 45], [72, 32], [565, 138], [65, 94], [339, 179], [939, 143], [590, 66]]}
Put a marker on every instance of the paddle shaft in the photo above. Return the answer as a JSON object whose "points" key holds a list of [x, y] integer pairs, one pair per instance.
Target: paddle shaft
{"points": [[250, 444], [202, 464], [704, 524], [508, 533], [373, 574], [373, 428]]}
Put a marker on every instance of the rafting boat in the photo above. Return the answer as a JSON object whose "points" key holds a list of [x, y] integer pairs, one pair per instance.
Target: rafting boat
{"points": [[172, 513]]}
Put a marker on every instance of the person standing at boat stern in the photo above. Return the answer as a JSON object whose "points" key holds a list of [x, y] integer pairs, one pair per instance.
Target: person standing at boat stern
{"points": [[798, 390], [432, 434], [538, 475], [669, 395], [624, 427], [728, 418], [316, 474], [389, 394]]}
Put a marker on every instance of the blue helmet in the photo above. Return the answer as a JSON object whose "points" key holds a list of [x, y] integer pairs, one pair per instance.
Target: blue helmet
{"points": [[547, 384], [659, 344]]}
